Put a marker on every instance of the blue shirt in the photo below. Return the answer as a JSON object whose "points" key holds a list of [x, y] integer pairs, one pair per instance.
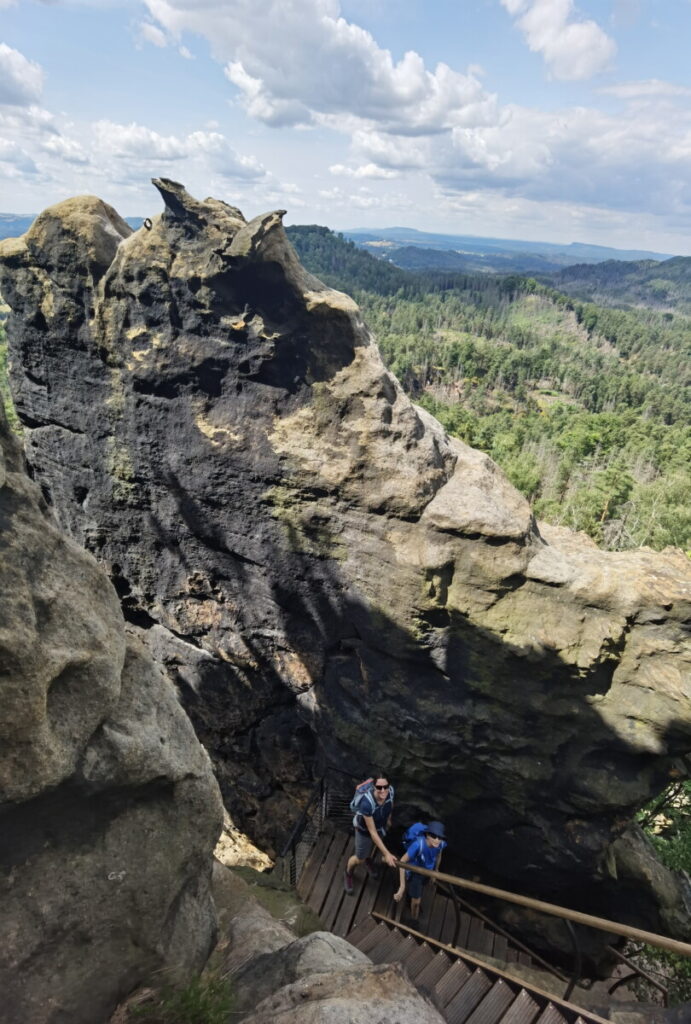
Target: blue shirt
{"points": [[422, 855]]}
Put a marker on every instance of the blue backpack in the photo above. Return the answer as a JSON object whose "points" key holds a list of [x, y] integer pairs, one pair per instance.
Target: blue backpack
{"points": [[413, 833], [365, 789]]}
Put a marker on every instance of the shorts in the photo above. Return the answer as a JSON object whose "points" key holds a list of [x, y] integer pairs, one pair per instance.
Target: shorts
{"points": [[415, 884], [363, 845]]}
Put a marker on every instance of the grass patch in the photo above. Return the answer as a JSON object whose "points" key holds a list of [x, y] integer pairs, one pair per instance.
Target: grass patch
{"points": [[205, 1000]]}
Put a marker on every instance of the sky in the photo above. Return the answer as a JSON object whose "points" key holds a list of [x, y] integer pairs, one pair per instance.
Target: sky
{"points": [[549, 120]]}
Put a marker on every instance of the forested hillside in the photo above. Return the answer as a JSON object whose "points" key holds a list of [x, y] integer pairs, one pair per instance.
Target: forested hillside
{"points": [[587, 409], [665, 286]]}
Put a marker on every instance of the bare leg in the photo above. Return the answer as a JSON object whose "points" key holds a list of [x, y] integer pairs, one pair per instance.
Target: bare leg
{"points": [[352, 864], [415, 909]]}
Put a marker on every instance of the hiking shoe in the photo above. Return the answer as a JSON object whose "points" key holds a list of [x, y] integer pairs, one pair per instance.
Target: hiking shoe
{"points": [[348, 883], [372, 870]]}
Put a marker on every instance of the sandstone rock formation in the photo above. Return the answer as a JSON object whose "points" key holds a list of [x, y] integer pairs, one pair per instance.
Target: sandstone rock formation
{"points": [[108, 807], [324, 571], [317, 979]]}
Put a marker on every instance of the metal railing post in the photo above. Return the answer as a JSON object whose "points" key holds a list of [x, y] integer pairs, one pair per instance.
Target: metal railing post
{"points": [[575, 977]]}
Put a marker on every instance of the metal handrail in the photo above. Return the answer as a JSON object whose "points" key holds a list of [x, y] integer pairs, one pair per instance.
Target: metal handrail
{"points": [[300, 824], [651, 979], [512, 938]]}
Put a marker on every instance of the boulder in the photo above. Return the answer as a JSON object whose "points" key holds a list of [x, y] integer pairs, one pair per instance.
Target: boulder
{"points": [[326, 575], [320, 977], [108, 807]]}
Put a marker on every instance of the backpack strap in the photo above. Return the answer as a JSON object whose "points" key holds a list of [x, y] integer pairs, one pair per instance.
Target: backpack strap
{"points": [[357, 820]]}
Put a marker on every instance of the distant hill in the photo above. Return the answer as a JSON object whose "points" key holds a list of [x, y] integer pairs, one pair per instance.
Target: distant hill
{"points": [[498, 254], [413, 257], [662, 285], [14, 224]]}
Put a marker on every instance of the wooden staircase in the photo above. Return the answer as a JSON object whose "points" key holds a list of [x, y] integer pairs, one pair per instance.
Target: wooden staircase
{"points": [[465, 989]]}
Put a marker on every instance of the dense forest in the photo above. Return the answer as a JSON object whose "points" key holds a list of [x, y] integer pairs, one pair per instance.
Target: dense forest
{"points": [[585, 407], [665, 286]]}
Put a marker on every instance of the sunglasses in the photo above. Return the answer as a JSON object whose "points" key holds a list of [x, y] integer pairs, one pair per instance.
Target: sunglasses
{"points": [[382, 787]]}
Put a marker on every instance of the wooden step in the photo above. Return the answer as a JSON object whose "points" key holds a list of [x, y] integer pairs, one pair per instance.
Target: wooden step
{"points": [[432, 974], [523, 1010], [372, 938], [457, 975], [357, 934], [492, 1008], [551, 1015], [385, 947], [418, 960], [393, 950], [467, 998]]}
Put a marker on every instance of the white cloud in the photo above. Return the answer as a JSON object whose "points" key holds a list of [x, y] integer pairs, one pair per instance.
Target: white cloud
{"points": [[651, 88], [578, 155], [391, 151], [152, 34], [65, 148], [134, 141], [314, 62], [14, 160], [21, 80], [364, 171], [184, 52], [572, 49], [222, 158]]}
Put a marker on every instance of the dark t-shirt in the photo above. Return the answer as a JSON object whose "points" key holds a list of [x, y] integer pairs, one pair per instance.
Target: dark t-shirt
{"points": [[380, 814]]}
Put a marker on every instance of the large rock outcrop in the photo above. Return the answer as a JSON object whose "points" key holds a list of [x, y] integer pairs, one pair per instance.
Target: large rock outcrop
{"points": [[108, 806], [324, 570]]}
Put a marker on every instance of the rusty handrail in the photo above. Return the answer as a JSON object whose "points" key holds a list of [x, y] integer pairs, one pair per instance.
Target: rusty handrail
{"points": [[589, 920]]}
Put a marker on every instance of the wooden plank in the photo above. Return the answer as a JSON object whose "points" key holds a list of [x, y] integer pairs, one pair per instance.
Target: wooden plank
{"points": [[372, 938], [467, 998], [335, 893], [364, 927], [492, 1007], [435, 917], [431, 975], [311, 868], [551, 1015], [418, 960], [501, 946], [475, 935], [523, 1010], [385, 949], [466, 921], [449, 927], [485, 941], [389, 883], [406, 946], [523, 958], [348, 911], [367, 900], [325, 875], [455, 977]]}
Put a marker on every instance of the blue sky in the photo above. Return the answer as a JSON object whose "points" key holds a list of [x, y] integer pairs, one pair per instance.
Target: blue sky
{"points": [[550, 120]]}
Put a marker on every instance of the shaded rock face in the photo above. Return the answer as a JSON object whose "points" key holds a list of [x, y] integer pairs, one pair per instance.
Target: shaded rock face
{"points": [[108, 807], [323, 570]]}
